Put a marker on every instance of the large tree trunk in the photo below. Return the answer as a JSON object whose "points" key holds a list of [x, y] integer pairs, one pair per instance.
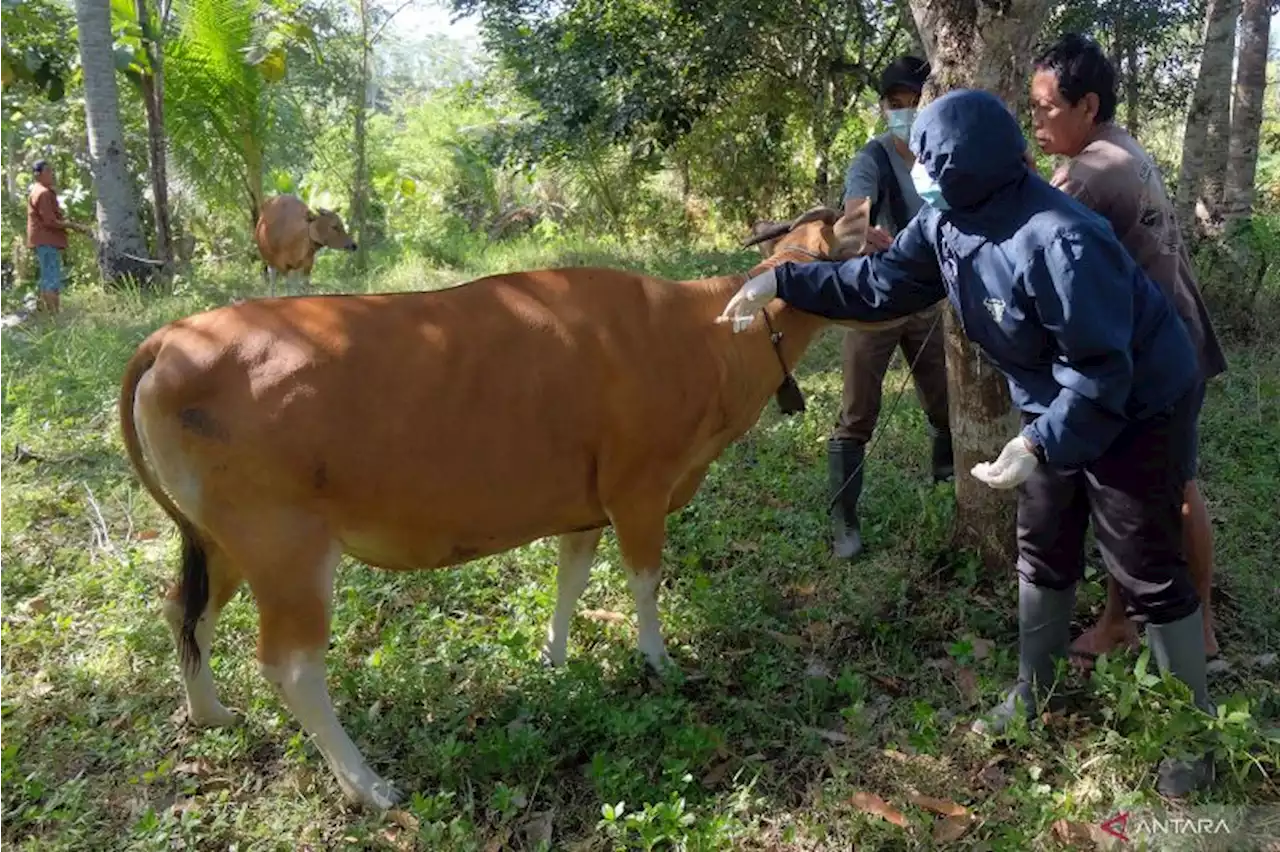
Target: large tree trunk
{"points": [[976, 45], [360, 180], [823, 135], [122, 250], [153, 101], [1132, 88], [1199, 178], [1246, 110]]}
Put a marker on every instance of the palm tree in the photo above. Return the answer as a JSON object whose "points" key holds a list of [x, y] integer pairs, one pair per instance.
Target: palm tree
{"points": [[218, 113], [122, 250]]}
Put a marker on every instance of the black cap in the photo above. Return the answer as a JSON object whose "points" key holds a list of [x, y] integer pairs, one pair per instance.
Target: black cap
{"points": [[905, 72], [40, 165]]}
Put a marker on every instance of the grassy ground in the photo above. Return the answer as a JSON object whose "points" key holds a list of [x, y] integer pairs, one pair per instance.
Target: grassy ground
{"points": [[819, 686]]}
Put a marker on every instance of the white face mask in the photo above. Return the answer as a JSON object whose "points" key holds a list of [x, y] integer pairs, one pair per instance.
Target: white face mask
{"points": [[927, 188], [900, 121]]}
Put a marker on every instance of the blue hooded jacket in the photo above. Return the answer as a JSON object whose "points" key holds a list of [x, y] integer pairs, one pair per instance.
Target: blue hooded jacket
{"points": [[1041, 284]]}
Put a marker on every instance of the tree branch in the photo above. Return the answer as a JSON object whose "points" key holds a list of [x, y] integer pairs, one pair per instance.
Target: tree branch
{"points": [[373, 39]]}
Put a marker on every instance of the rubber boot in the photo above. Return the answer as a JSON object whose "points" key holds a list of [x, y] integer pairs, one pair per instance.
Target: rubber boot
{"points": [[844, 465], [1178, 648], [944, 463], [1044, 632]]}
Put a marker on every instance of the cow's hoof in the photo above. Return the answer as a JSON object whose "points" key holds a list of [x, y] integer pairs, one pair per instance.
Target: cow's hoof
{"points": [[371, 792], [216, 716]]}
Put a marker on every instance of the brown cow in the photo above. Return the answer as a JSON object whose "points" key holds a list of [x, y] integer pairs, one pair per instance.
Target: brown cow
{"points": [[289, 234], [424, 430]]}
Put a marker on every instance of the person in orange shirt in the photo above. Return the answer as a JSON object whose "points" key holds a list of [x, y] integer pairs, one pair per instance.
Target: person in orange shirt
{"points": [[47, 235]]}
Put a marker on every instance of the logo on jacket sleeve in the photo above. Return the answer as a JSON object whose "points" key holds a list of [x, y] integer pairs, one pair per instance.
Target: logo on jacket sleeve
{"points": [[995, 307]]}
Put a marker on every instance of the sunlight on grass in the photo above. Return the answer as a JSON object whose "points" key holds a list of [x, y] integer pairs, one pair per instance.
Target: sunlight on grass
{"points": [[805, 685]]}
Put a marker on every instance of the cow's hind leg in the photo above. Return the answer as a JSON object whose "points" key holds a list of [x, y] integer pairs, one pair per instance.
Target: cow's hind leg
{"points": [[203, 706], [577, 552], [292, 580], [641, 532]]}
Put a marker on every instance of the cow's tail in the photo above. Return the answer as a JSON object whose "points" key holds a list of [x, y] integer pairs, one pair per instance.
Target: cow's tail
{"points": [[193, 585]]}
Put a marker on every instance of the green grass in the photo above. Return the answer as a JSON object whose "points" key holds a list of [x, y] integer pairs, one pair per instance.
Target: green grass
{"points": [[807, 681]]}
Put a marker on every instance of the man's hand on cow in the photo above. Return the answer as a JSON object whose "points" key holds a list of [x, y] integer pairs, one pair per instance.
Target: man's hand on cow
{"points": [[1015, 464], [878, 239], [751, 298]]}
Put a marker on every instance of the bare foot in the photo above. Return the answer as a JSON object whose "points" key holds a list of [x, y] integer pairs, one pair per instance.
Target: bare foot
{"points": [[1099, 639]]}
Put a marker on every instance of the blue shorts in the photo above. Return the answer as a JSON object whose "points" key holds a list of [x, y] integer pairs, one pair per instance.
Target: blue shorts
{"points": [[50, 268]]}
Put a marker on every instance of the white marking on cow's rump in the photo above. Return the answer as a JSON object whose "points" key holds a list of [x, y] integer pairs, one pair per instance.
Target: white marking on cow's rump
{"points": [[177, 477], [577, 552], [301, 681]]}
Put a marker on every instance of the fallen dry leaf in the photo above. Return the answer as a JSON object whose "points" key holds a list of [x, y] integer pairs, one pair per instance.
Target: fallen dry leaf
{"points": [[889, 684], [982, 648], [817, 669], [193, 767], [793, 642], [991, 775], [717, 773], [404, 819], [950, 829], [830, 736], [1073, 833], [745, 547], [147, 535], [537, 828], [938, 806], [870, 803], [818, 631], [397, 840], [803, 590], [604, 615], [37, 605], [499, 841], [967, 683]]}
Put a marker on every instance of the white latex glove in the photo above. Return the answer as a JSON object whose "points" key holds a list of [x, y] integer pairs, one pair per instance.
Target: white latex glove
{"points": [[749, 300], [1011, 468]]}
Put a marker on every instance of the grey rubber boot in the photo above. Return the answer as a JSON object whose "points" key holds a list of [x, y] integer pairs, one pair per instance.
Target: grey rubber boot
{"points": [[1044, 632], [1178, 648], [944, 463], [844, 460]]}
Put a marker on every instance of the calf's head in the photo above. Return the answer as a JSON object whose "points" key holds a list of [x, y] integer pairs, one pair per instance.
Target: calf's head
{"points": [[326, 230], [821, 233]]}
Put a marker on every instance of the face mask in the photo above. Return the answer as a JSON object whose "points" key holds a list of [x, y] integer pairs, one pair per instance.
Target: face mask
{"points": [[900, 121], [927, 188]]}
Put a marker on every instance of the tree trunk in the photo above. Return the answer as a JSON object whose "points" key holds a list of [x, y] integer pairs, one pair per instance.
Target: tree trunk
{"points": [[153, 101], [360, 180], [1209, 104], [979, 45], [822, 137], [122, 250], [12, 157], [1246, 111], [1132, 89]]}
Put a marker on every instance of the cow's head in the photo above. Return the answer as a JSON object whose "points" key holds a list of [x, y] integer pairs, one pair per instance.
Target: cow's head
{"points": [[326, 230], [822, 233]]}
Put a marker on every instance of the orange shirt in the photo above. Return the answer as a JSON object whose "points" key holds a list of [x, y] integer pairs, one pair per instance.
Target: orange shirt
{"points": [[43, 219]]}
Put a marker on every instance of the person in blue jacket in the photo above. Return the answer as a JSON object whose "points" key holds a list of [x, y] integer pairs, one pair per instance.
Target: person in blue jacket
{"points": [[1098, 363]]}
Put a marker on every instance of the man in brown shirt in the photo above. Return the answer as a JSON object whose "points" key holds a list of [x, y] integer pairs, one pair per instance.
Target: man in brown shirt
{"points": [[47, 235], [1073, 101]]}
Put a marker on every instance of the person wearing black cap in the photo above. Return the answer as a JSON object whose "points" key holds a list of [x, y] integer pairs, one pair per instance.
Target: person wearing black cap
{"points": [[47, 235], [880, 176]]}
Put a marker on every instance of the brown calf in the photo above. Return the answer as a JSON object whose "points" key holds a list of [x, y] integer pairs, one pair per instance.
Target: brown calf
{"points": [[423, 430], [289, 234]]}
